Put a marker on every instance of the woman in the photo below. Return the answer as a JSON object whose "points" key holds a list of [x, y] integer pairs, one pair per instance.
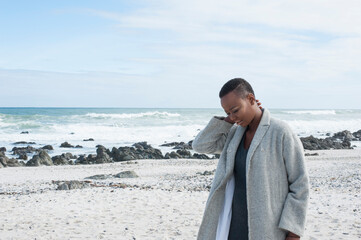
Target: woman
{"points": [[261, 188]]}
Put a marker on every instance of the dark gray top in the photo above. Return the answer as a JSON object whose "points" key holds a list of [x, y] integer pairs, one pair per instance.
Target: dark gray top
{"points": [[239, 223]]}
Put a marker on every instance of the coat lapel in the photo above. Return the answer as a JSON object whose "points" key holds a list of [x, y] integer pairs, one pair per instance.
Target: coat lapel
{"points": [[258, 136], [232, 150]]}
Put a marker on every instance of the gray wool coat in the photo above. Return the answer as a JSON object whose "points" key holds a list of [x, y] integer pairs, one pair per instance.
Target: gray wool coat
{"points": [[276, 178]]}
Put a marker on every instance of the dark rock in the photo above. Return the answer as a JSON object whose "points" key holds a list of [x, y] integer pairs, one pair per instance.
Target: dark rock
{"points": [[3, 159], [200, 156], [172, 155], [78, 146], [12, 162], [217, 156], [62, 159], [23, 150], [70, 156], [207, 172], [312, 143], [40, 159], [178, 145], [183, 145], [141, 151], [357, 135], [126, 174], [2, 149], [69, 185], [102, 155], [66, 145], [171, 144], [125, 154], [184, 153], [23, 157], [100, 176], [90, 139], [23, 142], [91, 158], [24, 132], [311, 154], [48, 147], [344, 135], [142, 145]]}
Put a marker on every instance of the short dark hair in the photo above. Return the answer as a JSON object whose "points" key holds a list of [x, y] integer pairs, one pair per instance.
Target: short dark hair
{"points": [[241, 87]]}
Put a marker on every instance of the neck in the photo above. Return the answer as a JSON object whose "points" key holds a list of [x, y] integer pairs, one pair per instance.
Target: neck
{"points": [[252, 127]]}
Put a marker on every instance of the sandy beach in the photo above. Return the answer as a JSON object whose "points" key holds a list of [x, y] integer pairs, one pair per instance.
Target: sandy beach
{"points": [[166, 201]]}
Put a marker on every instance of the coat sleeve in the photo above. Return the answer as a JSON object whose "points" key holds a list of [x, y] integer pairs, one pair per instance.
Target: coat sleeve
{"points": [[213, 137], [293, 217]]}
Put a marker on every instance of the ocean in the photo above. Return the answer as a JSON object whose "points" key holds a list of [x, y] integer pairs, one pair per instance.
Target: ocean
{"points": [[115, 127]]}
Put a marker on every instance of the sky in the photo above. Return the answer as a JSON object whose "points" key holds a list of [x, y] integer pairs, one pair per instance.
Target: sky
{"points": [[178, 54]]}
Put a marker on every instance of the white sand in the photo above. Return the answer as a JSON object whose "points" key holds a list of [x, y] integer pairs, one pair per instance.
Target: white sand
{"points": [[165, 202]]}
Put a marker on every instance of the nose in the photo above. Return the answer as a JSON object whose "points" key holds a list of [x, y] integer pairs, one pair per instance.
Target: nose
{"points": [[232, 117]]}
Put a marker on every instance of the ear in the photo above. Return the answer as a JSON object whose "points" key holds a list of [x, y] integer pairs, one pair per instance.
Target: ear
{"points": [[251, 98]]}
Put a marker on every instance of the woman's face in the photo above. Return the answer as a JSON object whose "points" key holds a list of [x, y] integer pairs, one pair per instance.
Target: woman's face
{"points": [[240, 110]]}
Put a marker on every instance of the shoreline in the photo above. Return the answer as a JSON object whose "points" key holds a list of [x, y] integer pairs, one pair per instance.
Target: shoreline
{"points": [[142, 150]]}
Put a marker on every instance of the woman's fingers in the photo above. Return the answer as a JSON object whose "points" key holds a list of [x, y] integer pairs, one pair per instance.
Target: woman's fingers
{"points": [[258, 103]]}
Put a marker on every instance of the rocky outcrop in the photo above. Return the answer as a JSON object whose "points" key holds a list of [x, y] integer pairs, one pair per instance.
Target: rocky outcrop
{"points": [[66, 145], [343, 136], [312, 143], [200, 156], [178, 145], [83, 159], [40, 159], [140, 150], [48, 147], [3, 159], [172, 155], [357, 135], [12, 162], [63, 159], [102, 155], [23, 150], [184, 153]]}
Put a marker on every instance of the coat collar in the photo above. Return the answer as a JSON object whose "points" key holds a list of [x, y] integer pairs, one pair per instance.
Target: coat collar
{"points": [[258, 136]]}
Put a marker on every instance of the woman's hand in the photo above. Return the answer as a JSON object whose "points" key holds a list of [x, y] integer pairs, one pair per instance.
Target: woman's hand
{"points": [[258, 103]]}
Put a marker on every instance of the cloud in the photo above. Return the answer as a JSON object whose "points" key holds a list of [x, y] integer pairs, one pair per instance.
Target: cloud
{"points": [[318, 37]]}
